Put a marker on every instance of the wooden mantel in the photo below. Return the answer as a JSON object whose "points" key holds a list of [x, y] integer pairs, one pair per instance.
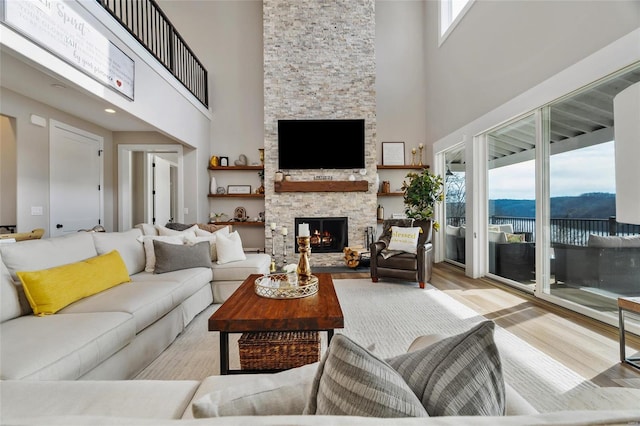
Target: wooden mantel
{"points": [[322, 186]]}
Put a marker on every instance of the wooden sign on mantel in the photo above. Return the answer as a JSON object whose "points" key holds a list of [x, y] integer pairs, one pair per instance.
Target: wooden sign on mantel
{"points": [[322, 186]]}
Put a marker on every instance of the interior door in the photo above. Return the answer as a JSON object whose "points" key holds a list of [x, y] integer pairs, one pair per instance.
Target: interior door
{"points": [[161, 190], [75, 179]]}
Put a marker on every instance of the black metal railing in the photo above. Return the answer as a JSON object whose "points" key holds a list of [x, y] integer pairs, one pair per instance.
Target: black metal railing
{"points": [[150, 26], [563, 230]]}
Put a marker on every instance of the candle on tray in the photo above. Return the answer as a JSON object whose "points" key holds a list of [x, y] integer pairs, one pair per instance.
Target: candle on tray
{"points": [[273, 226], [303, 230], [284, 230]]}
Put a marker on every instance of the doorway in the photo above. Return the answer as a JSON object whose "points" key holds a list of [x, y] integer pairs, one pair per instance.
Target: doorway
{"points": [[8, 175]]}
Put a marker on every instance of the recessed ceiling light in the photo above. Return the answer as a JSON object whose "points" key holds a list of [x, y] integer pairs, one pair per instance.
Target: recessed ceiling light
{"points": [[110, 110]]}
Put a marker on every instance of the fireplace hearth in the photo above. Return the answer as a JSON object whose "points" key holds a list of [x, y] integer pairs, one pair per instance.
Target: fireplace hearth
{"points": [[328, 234]]}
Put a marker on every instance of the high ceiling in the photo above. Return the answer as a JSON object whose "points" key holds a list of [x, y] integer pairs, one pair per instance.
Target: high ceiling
{"points": [[28, 79]]}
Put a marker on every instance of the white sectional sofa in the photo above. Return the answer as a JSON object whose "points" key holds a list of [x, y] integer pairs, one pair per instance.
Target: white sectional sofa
{"points": [[115, 333]]}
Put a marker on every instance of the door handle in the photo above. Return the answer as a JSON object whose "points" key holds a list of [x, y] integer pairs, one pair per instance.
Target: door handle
{"points": [[58, 226]]}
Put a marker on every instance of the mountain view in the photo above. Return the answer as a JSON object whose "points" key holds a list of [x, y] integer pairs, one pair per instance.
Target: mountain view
{"points": [[595, 205]]}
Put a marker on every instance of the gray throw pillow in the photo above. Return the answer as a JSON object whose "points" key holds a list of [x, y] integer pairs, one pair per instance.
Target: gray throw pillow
{"points": [[173, 257], [457, 376], [353, 382]]}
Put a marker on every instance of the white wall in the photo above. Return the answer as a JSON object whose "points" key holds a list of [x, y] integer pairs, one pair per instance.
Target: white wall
{"points": [[8, 171], [500, 49]]}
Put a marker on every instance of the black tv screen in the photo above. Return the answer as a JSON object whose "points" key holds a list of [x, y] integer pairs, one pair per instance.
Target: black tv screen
{"points": [[321, 144]]}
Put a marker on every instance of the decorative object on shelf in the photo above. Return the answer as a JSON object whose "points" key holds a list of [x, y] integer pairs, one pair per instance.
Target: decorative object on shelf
{"points": [[260, 189], [214, 161], [287, 177], [212, 185], [413, 156], [220, 190], [224, 161], [380, 212], [393, 153], [261, 151], [277, 286], [238, 189], [421, 193], [386, 187], [217, 217], [240, 214], [272, 267], [279, 176], [420, 147], [352, 177], [241, 161]]}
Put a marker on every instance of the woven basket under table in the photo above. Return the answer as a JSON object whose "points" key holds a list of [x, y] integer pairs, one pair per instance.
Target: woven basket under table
{"points": [[278, 350]]}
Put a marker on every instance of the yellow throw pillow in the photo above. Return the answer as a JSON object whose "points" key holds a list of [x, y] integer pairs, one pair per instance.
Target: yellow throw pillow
{"points": [[52, 289]]}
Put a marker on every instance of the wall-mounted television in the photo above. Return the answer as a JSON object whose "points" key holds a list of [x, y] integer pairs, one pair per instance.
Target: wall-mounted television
{"points": [[321, 144]]}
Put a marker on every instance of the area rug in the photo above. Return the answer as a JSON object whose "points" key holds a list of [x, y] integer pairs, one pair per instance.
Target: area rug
{"points": [[387, 317]]}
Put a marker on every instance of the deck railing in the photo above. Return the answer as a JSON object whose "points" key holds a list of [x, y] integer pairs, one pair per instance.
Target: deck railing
{"points": [[150, 26], [563, 230]]}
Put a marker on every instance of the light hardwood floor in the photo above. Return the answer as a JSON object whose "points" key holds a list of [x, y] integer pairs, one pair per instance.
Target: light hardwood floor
{"points": [[587, 346]]}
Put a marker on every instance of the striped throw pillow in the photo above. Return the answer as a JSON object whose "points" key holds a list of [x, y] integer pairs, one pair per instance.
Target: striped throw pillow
{"points": [[457, 376], [351, 381]]}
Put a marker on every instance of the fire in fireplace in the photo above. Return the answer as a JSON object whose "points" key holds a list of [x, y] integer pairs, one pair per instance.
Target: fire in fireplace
{"points": [[328, 234]]}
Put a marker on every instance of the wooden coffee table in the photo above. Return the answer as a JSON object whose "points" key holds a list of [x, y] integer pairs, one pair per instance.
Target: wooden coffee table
{"points": [[245, 311]]}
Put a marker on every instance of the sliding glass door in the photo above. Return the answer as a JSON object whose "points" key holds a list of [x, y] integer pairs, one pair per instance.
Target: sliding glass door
{"points": [[455, 205]]}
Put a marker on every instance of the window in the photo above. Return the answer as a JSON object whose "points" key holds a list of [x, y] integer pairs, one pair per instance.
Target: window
{"points": [[451, 12]]}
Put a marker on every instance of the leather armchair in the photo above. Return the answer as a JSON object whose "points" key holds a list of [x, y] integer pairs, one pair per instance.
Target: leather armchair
{"points": [[416, 267]]}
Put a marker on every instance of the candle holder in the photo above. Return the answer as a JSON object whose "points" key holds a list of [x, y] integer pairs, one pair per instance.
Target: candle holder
{"points": [[304, 268], [413, 156], [272, 267], [420, 147], [284, 250]]}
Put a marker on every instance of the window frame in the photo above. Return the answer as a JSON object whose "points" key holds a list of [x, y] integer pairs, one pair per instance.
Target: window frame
{"points": [[447, 23]]}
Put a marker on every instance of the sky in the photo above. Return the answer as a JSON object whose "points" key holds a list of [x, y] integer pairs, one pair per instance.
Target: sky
{"points": [[589, 169]]}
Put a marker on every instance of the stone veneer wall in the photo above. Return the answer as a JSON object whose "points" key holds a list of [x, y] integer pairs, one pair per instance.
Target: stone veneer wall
{"points": [[319, 63]]}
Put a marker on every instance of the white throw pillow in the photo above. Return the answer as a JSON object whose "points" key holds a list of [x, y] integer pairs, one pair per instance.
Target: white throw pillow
{"points": [[211, 237], [283, 393], [149, 252], [229, 248], [166, 232], [404, 239]]}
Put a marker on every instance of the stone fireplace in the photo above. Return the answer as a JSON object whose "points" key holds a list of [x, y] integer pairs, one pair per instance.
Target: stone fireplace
{"points": [[319, 63]]}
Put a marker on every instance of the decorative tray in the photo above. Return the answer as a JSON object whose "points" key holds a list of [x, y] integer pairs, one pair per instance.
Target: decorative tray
{"points": [[278, 286]]}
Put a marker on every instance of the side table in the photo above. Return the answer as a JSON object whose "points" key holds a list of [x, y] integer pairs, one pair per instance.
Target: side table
{"points": [[627, 304]]}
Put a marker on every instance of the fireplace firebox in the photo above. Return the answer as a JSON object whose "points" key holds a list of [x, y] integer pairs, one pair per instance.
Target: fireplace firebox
{"points": [[328, 234]]}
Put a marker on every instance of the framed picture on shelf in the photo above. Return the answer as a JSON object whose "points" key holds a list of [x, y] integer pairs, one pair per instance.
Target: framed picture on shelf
{"points": [[224, 161], [393, 153], [238, 189]]}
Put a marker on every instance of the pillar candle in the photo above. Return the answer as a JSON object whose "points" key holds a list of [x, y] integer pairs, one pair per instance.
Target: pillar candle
{"points": [[284, 230], [273, 226], [303, 230]]}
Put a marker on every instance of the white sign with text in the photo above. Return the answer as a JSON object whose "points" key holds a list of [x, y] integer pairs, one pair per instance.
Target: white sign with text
{"points": [[58, 28]]}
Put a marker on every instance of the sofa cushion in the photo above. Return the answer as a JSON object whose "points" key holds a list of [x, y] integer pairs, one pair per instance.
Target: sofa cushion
{"points": [[172, 257], [13, 301], [613, 241], [255, 263], [457, 376], [146, 301], [229, 248], [352, 381], [211, 237], [34, 255], [150, 399], [61, 346], [147, 229], [168, 232], [149, 251], [497, 237], [283, 393], [52, 289], [126, 243]]}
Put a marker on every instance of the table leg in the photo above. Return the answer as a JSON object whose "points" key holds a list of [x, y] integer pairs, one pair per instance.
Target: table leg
{"points": [[224, 353], [329, 336], [622, 341]]}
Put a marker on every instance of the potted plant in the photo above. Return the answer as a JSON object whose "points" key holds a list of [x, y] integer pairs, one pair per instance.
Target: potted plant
{"points": [[421, 193]]}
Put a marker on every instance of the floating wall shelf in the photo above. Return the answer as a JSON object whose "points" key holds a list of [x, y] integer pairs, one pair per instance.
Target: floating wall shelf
{"points": [[322, 186]]}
